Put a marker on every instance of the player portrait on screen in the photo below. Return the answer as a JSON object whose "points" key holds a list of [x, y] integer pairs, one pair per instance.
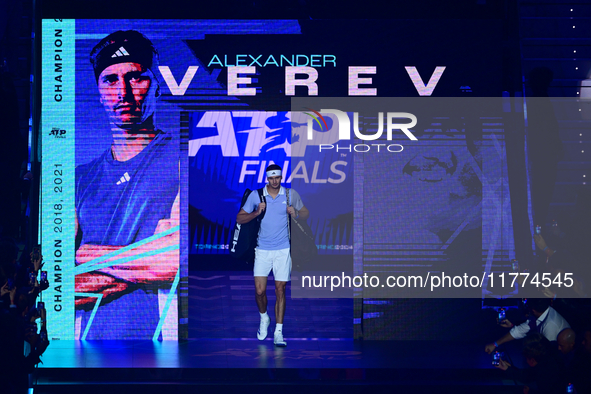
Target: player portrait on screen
{"points": [[127, 201], [438, 190]]}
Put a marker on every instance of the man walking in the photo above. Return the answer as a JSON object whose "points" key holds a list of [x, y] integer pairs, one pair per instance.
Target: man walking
{"points": [[273, 245]]}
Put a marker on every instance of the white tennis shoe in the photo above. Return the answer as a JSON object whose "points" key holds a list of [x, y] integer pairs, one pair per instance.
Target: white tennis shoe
{"points": [[263, 327], [278, 339]]}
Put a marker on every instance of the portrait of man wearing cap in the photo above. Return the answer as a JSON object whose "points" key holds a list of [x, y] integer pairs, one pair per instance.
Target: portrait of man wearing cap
{"points": [[273, 245], [127, 200]]}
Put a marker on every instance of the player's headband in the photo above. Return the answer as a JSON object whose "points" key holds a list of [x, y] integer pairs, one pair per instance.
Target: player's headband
{"points": [[273, 173], [123, 47]]}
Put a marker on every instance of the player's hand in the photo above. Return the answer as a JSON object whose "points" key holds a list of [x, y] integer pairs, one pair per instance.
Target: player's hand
{"points": [[113, 278], [490, 348], [97, 283], [175, 215], [165, 224], [89, 252], [291, 211], [260, 208]]}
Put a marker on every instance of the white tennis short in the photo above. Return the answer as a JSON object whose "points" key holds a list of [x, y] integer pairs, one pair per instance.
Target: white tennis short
{"points": [[277, 260]]}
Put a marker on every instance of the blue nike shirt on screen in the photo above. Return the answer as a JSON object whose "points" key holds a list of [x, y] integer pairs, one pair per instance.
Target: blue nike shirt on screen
{"points": [[119, 204]]}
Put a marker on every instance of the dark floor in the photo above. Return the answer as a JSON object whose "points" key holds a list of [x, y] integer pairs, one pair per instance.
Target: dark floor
{"points": [[221, 353], [224, 355], [250, 366]]}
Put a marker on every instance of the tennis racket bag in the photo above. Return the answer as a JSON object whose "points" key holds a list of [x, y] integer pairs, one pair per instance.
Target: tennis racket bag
{"points": [[243, 238]]}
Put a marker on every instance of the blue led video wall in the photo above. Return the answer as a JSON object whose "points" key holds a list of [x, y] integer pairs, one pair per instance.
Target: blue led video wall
{"points": [[152, 130]]}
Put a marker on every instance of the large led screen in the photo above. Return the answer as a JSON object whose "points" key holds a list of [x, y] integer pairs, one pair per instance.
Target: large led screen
{"points": [[152, 130]]}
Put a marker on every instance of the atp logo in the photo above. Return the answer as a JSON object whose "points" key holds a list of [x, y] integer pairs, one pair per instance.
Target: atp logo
{"points": [[57, 132]]}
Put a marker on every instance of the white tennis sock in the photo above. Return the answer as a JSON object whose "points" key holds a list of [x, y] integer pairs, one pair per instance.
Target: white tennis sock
{"points": [[264, 315], [279, 327]]}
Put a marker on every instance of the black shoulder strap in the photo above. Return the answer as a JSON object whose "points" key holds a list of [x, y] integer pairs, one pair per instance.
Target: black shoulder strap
{"points": [[287, 192], [261, 195], [245, 197], [263, 199]]}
